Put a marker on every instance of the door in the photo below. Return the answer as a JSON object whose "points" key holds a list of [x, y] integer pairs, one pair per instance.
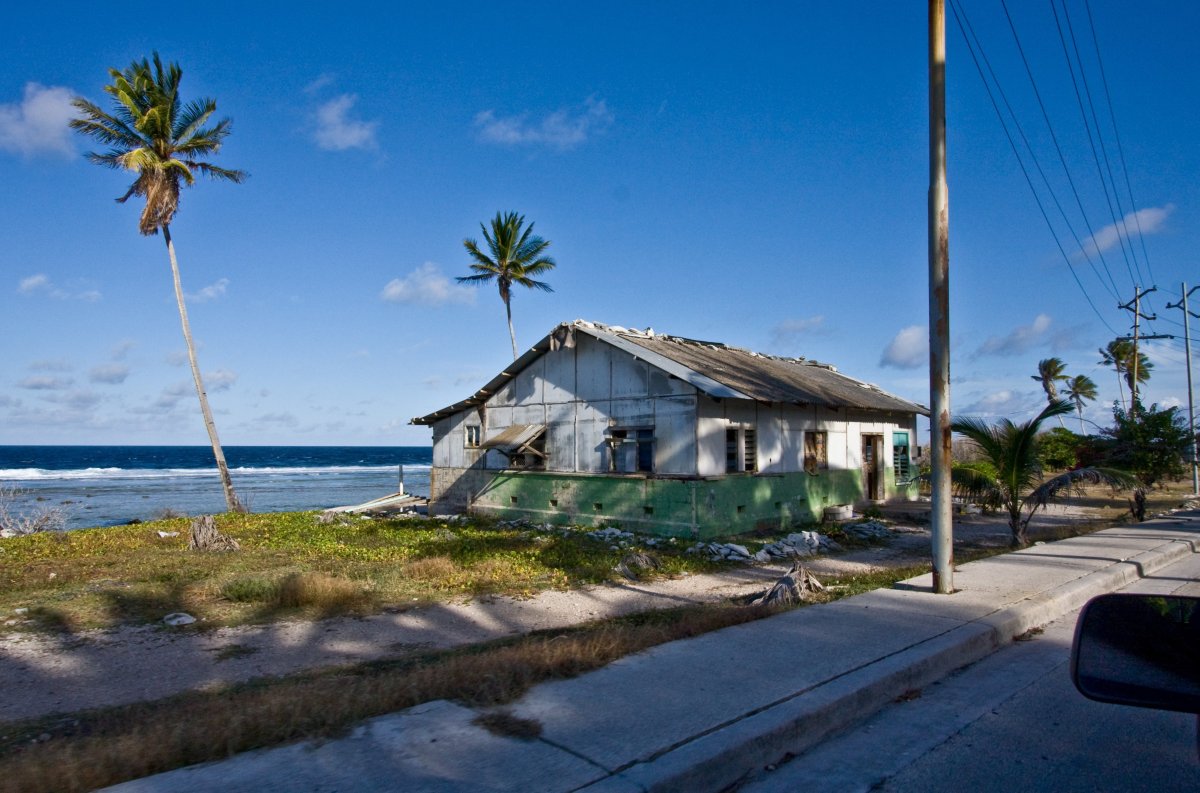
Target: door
{"points": [[872, 446]]}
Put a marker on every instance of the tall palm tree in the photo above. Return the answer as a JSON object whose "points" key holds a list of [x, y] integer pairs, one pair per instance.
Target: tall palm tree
{"points": [[1080, 389], [1119, 355], [1050, 370], [515, 256], [163, 141], [1013, 480]]}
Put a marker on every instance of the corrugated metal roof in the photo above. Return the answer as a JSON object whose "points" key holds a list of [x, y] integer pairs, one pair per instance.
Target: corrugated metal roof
{"points": [[713, 368]]}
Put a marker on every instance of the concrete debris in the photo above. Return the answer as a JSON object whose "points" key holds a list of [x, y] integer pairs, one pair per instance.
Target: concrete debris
{"points": [[868, 530], [178, 618], [722, 552], [165, 534]]}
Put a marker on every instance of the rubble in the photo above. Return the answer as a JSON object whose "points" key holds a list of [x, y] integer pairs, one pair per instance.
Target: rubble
{"points": [[868, 531]]}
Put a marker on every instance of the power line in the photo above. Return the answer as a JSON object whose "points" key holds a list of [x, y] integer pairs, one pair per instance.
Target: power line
{"points": [[1118, 219], [964, 25], [1117, 136], [1058, 147]]}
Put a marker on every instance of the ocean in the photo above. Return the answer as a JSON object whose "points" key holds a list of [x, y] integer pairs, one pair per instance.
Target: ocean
{"points": [[111, 485]]}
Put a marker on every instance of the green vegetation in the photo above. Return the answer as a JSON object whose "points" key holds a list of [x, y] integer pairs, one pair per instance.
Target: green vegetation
{"points": [[294, 565], [1149, 443]]}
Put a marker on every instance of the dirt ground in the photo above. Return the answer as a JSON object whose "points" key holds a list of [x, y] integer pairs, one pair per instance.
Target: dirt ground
{"points": [[49, 674]]}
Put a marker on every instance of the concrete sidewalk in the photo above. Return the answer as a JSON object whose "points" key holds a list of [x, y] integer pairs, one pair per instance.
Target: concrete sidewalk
{"points": [[698, 715]]}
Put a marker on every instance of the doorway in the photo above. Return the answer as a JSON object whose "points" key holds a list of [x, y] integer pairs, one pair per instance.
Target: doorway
{"points": [[872, 457]]}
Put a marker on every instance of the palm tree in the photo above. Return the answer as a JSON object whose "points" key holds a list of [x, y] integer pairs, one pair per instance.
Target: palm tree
{"points": [[163, 141], [516, 256], [1119, 355], [1013, 480], [1080, 389], [1050, 370]]}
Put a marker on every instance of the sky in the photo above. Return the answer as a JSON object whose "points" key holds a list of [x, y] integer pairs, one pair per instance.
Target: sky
{"points": [[754, 174]]}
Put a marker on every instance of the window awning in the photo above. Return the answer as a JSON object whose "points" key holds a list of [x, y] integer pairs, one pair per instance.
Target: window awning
{"points": [[515, 438]]}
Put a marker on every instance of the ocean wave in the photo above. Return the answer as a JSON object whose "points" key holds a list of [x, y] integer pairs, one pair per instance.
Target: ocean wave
{"points": [[47, 474]]}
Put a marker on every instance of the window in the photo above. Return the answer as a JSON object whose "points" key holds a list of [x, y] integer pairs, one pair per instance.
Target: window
{"points": [[816, 454], [631, 450], [471, 437], [901, 462], [741, 450]]}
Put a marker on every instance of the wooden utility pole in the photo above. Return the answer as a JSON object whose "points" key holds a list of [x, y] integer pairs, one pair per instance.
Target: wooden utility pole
{"points": [[941, 506], [1187, 346], [1135, 306]]}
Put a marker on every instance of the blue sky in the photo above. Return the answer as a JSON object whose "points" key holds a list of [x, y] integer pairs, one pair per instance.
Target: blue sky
{"points": [[754, 174]]}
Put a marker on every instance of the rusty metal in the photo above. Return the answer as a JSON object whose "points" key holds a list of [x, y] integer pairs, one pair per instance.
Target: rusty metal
{"points": [[941, 505]]}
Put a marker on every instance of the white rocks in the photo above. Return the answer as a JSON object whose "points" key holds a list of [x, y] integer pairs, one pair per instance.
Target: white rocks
{"points": [[722, 552], [175, 619], [165, 534]]}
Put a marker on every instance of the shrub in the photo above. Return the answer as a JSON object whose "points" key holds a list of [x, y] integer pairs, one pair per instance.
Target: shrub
{"points": [[319, 589], [251, 590]]}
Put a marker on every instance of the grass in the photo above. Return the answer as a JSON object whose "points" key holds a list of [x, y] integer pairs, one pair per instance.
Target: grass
{"points": [[291, 565], [106, 746]]}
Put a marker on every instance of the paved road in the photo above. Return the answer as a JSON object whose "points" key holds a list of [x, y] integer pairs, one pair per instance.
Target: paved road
{"points": [[1012, 722]]}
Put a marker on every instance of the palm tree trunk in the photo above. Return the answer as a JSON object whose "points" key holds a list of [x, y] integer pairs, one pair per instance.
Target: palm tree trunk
{"points": [[511, 335], [231, 499]]}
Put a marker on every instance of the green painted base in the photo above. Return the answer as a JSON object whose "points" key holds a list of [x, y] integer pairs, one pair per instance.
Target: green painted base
{"points": [[689, 508]]}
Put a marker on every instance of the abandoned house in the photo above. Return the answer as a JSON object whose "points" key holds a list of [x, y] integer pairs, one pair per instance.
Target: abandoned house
{"points": [[598, 424]]}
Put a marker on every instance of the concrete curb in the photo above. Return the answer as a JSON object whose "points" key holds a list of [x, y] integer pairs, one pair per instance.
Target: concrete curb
{"points": [[718, 759]]}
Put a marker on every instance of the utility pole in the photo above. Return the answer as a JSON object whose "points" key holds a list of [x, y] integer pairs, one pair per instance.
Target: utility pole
{"points": [[1187, 346], [1135, 306], [941, 506]]}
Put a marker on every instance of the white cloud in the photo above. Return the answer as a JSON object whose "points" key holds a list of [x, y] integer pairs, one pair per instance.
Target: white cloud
{"points": [[908, 350], [563, 129], [33, 283], [45, 383], [38, 123], [171, 395], [1002, 404], [790, 331], [219, 380], [177, 357], [111, 373], [336, 131], [1147, 221], [41, 283], [1019, 340], [210, 292], [427, 285], [316, 85], [120, 351], [50, 365]]}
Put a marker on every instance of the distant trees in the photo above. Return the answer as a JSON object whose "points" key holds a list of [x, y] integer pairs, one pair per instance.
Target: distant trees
{"points": [[1080, 389], [164, 142], [1120, 355], [514, 256], [1150, 443]]}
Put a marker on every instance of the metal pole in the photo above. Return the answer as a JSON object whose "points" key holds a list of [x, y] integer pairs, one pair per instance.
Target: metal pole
{"points": [[1187, 346], [941, 506]]}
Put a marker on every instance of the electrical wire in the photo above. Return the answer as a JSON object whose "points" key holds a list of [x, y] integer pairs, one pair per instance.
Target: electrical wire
{"points": [[964, 25], [1058, 147]]}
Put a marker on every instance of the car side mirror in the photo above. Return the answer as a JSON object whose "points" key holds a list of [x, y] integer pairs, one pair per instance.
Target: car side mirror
{"points": [[1141, 650]]}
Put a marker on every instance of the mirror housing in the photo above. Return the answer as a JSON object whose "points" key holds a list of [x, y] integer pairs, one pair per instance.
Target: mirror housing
{"points": [[1141, 650]]}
